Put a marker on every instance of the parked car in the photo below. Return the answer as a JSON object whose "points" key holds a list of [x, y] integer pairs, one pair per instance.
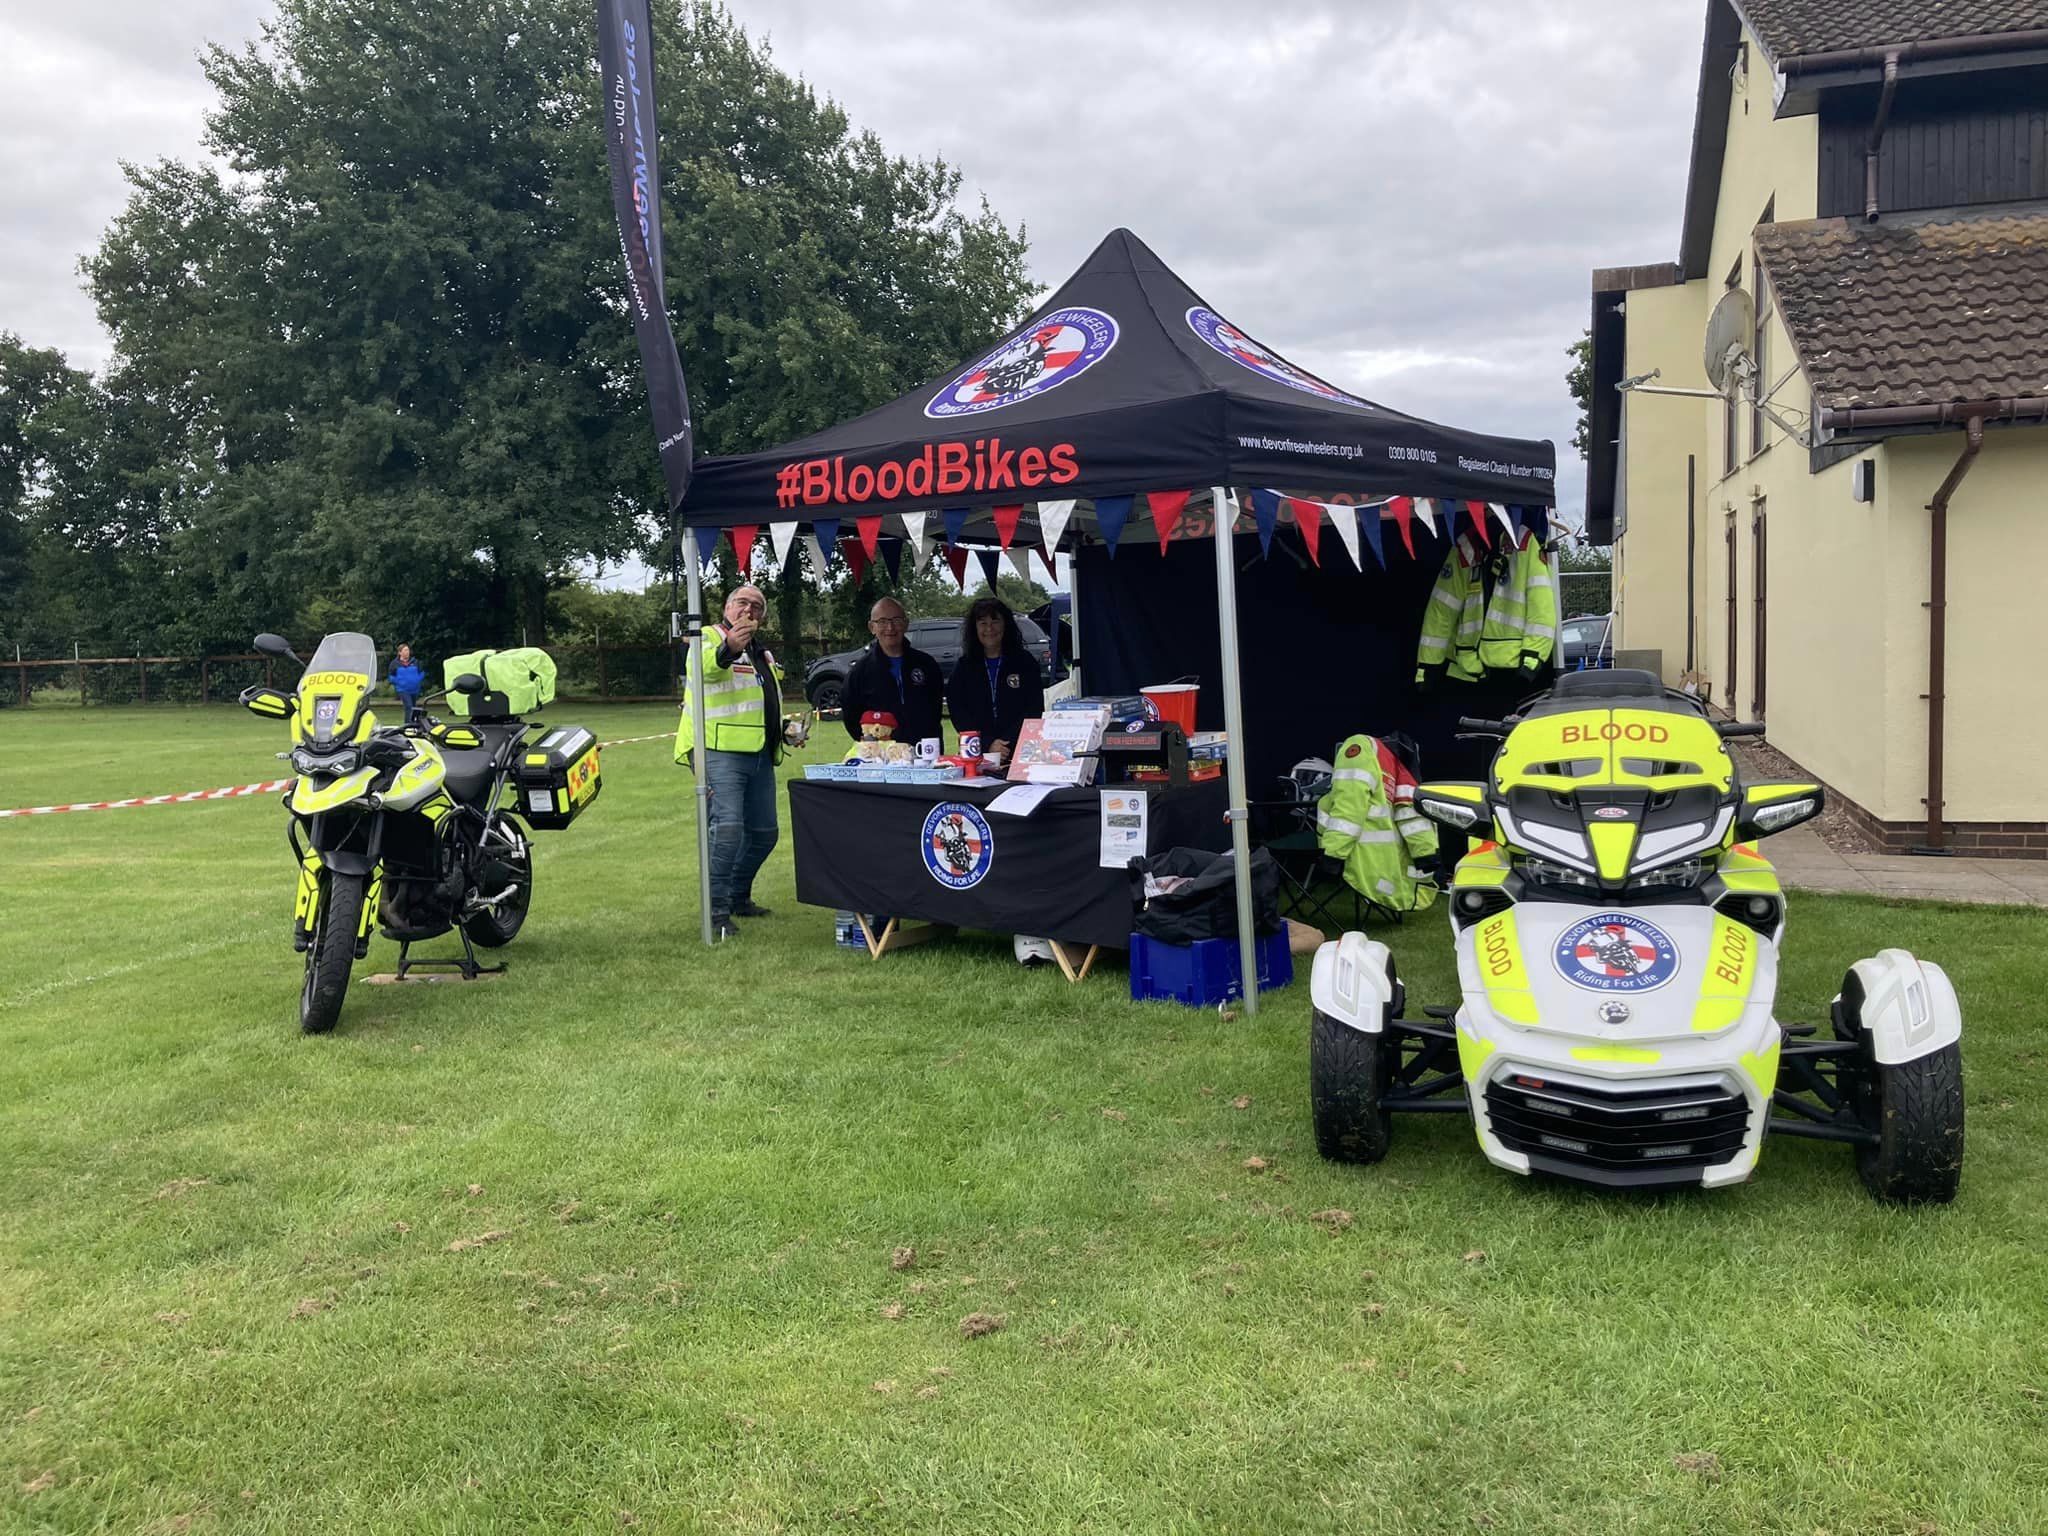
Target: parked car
{"points": [[1585, 643], [937, 638]]}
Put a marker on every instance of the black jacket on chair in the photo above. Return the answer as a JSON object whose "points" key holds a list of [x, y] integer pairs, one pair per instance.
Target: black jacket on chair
{"points": [[998, 713], [872, 685]]}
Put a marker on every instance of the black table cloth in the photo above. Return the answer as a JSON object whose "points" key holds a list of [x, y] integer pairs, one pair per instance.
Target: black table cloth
{"points": [[932, 852]]}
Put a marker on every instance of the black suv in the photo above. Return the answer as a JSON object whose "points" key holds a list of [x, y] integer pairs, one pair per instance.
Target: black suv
{"points": [[937, 638]]}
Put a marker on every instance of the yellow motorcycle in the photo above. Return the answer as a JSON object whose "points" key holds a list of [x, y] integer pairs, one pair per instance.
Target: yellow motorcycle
{"points": [[412, 829]]}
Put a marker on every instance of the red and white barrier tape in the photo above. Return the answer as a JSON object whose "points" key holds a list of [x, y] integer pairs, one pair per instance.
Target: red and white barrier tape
{"points": [[227, 792]]}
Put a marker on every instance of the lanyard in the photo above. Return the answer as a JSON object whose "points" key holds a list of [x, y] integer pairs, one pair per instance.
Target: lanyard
{"points": [[994, 672]]}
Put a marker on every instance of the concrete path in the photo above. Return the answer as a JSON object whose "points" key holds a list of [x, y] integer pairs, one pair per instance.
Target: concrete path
{"points": [[1808, 864]]}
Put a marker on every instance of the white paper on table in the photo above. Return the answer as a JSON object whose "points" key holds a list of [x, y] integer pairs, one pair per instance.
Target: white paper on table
{"points": [[1020, 799], [1125, 817]]}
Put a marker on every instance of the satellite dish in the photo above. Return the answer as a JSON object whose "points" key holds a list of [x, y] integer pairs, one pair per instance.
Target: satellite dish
{"points": [[1729, 329]]}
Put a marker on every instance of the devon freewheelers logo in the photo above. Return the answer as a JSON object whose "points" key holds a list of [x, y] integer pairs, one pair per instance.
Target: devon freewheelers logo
{"points": [[958, 846], [1616, 952], [1051, 350], [1242, 350]]}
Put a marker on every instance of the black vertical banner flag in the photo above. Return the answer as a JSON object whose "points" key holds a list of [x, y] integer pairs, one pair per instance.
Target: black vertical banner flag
{"points": [[625, 55]]}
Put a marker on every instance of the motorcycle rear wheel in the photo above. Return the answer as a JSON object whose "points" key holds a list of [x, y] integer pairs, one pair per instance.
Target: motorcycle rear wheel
{"points": [[498, 926], [333, 952]]}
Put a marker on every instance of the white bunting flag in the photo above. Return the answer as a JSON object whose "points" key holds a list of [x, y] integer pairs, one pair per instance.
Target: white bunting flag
{"points": [[1020, 557], [1507, 522], [1052, 522], [913, 530], [1426, 510], [817, 553], [783, 537], [1345, 521]]}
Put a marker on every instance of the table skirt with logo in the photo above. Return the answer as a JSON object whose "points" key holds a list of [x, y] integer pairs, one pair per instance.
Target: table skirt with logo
{"points": [[933, 853]]}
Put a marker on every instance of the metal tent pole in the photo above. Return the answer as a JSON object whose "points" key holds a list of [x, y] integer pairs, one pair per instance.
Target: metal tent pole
{"points": [[1073, 613], [692, 627], [1233, 720]]}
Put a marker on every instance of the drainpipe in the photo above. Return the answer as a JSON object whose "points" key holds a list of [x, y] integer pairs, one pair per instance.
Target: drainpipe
{"points": [[1937, 624], [1884, 110]]}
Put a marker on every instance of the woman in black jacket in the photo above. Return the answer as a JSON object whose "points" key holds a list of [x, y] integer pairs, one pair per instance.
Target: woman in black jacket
{"points": [[995, 685]]}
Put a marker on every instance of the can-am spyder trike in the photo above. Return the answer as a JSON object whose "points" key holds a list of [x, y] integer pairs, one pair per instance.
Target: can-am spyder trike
{"points": [[414, 829], [1617, 939]]}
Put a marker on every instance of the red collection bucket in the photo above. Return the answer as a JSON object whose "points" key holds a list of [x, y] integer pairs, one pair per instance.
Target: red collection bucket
{"points": [[1175, 702]]}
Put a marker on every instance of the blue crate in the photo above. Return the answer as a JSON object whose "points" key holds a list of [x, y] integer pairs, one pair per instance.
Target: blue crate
{"points": [[1204, 973]]}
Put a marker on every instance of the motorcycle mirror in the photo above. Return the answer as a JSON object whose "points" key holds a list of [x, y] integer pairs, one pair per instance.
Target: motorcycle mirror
{"points": [[469, 682], [274, 645]]}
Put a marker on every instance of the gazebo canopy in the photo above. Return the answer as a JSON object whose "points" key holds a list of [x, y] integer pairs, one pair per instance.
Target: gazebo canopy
{"points": [[1124, 381]]}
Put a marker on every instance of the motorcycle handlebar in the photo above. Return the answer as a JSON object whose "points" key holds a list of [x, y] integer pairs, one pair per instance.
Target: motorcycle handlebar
{"points": [[1481, 727], [1729, 728]]}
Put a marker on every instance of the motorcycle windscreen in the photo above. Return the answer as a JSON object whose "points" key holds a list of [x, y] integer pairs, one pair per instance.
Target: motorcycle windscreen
{"points": [[346, 652]]}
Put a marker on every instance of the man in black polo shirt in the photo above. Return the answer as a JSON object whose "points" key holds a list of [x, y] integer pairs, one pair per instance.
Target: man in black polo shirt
{"points": [[896, 678]]}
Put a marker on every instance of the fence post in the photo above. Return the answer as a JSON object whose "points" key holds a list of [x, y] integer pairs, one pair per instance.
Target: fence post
{"points": [[602, 690], [78, 666]]}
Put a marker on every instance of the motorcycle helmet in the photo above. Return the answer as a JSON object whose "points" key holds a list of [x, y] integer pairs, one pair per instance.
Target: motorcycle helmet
{"points": [[1311, 778]]}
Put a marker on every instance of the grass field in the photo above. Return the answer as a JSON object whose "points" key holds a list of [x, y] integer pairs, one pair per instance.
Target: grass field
{"points": [[609, 1242]]}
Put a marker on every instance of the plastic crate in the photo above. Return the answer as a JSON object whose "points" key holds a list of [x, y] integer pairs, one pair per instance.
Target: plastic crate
{"points": [[1204, 973]]}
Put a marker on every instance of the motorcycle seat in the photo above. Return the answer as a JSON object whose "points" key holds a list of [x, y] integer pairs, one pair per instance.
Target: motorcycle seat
{"points": [[470, 771]]}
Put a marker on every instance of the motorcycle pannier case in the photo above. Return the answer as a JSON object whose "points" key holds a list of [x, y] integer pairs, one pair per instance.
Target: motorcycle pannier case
{"points": [[556, 778]]}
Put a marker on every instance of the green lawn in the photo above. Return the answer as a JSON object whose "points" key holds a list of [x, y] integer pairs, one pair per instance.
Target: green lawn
{"points": [[608, 1242]]}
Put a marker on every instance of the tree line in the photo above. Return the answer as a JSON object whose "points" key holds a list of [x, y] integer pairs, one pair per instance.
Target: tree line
{"points": [[371, 365]]}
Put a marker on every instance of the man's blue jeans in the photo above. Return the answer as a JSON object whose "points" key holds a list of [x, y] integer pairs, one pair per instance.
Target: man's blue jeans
{"points": [[743, 831]]}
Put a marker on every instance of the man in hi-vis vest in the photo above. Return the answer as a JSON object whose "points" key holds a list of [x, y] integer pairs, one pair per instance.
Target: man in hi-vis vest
{"points": [[743, 741]]}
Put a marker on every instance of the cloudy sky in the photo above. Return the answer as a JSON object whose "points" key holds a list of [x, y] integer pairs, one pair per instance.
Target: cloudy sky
{"points": [[1406, 198]]}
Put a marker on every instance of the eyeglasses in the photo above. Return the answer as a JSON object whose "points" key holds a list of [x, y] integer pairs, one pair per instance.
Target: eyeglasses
{"points": [[888, 623], [748, 605]]}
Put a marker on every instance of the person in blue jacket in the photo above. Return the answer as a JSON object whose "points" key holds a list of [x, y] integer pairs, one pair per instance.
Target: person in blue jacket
{"points": [[407, 679]]}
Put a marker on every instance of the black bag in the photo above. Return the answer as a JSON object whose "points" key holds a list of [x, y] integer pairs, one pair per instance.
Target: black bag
{"points": [[1206, 906]]}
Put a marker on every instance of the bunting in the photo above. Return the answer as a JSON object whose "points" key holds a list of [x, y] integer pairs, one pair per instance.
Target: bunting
{"points": [[892, 560], [1475, 514], [1167, 507], [1370, 525], [1426, 510], [1020, 558], [706, 537], [913, 530], [1507, 522], [956, 557], [856, 559], [827, 530], [1006, 523], [1111, 513], [989, 567], [1266, 513], [1308, 517], [870, 529], [820, 561], [783, 537], [743, 545], [1403, 510], [1345, 521], [955, 519], [1052, 522]]}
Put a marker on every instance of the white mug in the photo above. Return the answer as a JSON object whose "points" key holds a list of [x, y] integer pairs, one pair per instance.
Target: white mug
{"points": [[928, 751]]}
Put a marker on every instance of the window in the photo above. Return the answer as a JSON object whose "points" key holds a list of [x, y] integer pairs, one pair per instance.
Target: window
{"points": [[1730, 420]]}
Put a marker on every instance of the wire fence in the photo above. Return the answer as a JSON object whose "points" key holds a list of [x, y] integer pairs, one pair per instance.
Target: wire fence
{"points": [[618, 674]]}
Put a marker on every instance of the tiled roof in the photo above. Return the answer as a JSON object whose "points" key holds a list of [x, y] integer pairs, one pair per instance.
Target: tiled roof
{"points": [[1791, 27], [1915, 313]]}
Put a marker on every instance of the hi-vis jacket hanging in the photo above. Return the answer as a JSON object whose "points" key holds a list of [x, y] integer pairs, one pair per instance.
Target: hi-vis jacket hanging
{"points": [[735, 703], [1369, 820], [1454, 618], [1520, 630]]}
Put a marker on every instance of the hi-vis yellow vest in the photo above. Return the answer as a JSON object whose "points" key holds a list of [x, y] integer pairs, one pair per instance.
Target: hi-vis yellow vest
{"points": [[1521, 619], [735, 704], [1452, 622]]}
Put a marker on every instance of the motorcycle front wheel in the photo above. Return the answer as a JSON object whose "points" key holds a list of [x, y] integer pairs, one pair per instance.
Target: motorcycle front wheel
{"points": [[333, 951]]}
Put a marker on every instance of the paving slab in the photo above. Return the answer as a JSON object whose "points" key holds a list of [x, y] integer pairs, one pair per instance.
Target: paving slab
{"points": [[1807, 863]]}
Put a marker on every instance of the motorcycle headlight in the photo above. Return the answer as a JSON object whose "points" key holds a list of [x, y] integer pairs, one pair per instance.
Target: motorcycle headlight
{"points": [[1544, 872], [1684, 873], [306, 760]]}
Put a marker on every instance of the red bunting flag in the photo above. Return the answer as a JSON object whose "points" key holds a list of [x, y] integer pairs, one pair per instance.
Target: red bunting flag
{"points": [[1308, 517], [1478, 511], [1403, 509], [1006, 523], [1167, 507], [743, 545], [956, 557], [856, 557], [1052, 571], [870, 534]]}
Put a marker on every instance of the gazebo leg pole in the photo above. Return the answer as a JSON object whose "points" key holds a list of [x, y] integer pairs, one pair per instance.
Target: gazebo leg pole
{"points": [[692, 627], [1233, 719]]}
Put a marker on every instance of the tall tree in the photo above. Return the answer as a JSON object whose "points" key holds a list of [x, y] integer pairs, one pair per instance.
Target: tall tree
{"points": [[381, 357], [1579, 380]]}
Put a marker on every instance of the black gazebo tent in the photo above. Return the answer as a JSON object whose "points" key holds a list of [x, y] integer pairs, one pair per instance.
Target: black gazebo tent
{"points": [[1123, 382]]}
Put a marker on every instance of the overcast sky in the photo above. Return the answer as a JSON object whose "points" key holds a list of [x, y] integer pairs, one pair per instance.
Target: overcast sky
{"points": [[1405, 198]]}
